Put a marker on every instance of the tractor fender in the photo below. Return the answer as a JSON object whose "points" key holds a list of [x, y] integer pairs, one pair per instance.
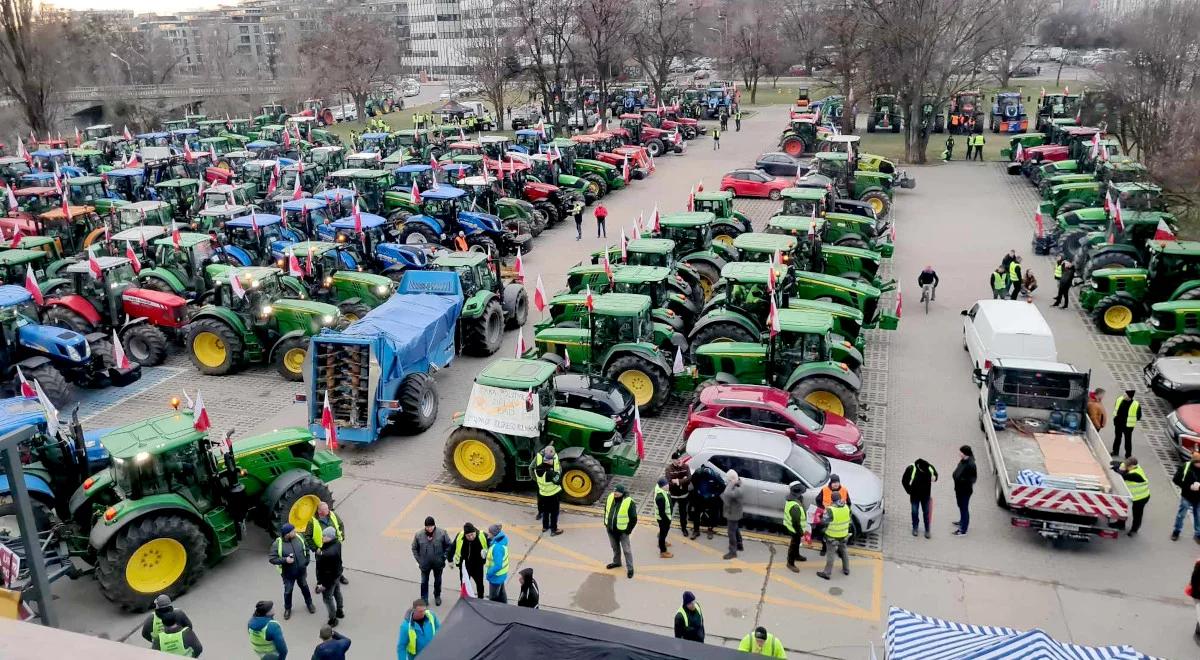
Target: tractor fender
{"points": [[103, 532], [292, 235], [295, 285], [473, 306], [708, 257], [234, 253], [224, 315], [282, 338], [668, 318], [1190, 285], [276, 488], [725, 316], [165, 276], [77, 304], [570, 453], [642, 350], [132, 322], [433, 223], [36, 485], [744, 220], [728, 222], [829, 369], [1114, 248], [53, 283], [33, 362]]}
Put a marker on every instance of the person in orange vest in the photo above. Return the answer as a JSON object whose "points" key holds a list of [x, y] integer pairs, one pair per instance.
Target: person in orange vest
{"points": [[460, 242]]}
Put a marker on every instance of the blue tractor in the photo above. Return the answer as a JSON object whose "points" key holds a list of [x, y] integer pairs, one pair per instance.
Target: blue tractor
{"points": [[372, 249], [716, 99], [1008, 113], [252, 240], [54, 357], [442, 218], [404, 176], [306, 214], [378, 371]]}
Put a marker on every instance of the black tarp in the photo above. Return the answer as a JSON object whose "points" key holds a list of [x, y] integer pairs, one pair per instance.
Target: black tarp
{"points": [[479, 629]]}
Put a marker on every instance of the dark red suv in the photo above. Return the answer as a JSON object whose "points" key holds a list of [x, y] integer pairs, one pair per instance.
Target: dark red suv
{"points": [[769, 409]]}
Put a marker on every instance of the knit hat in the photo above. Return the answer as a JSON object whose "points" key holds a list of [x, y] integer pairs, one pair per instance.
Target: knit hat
{"points": [[677, 453], [548, 452], [287, 528], [760, 632], [688, 597], [162, 600], [494, 529], [834, 479], [1130, 392], [733, 476], [621, 489], [797, 488], [468, 528], [429, 521], [662, 481], [263, 607]]}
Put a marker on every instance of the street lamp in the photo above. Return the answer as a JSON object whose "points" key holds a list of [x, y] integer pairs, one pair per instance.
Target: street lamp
{"points": [[128, 69]]}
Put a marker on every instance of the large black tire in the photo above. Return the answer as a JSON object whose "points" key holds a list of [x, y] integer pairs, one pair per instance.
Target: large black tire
{"points": [[63, 317], [649, 402], [655, 147], [355, 311], [43, 516], [885, 205], [1108, 260], [820, 387], [156, 284], [852, 241], [297, 504], [145, 344], [709, 275], [53, 383], [475, 459], [726, 233], [414, 233], [1114, 313], [286, 362], [583, 480], [515, 305], [483, 335], [418, 403], [550, 211], [598, 183], [484, 244], [1072, 205], [1178, 345], [719, 332], [1070, 242], [212, 329], [174, 534]]}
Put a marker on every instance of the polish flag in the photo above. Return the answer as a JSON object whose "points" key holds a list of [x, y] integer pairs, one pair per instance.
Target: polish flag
{"points": [[625, 169], [677, 367], [65, 205], [1163, 231], [520, 267], [12, 198], [416, 194], [142, 240], [539, 295], [520, 349], [327, 423], [297, 191], [640, 224], [200, 415], [1118, 221], [1107, 203], [624, 247], [462, 137], [638, 436], [188, 156], [16, 239], [51, 411], [463, 591], [78, 137], [358, 218], [608, 271], [656, 226], [566, 360], [133, 161], [599, 126], [126, 134], [541, 127], [1039, 223], [27, 390], [119, 358], [133, 258], [287, 140], [176, 238], [212, 153], [273, 183], [771, 272], [294, 265], [235, 284], [899, 299], [24, 153], [691, 199], [93, 264], [773, 318], [1019, 155], [700, 186], [588, 300], [433, 163], [31, 285]]}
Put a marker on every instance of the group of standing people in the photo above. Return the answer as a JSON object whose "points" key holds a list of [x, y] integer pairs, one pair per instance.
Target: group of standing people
{"points": [[974, 147], [1011, 280], [918, 479]]}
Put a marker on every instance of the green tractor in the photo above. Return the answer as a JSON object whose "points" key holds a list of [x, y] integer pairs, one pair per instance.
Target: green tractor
{"points": [[549, 168], [617, 340], [660, 252], [375, 194], [513, 414], [180, 269], [806, 251], [490, 304], [15, 264], [261, 325], [52, 248], [333, 281], [1173, 329], [874, 188], [1125, 246], [729, 222], [801, 136], [836, 229], [601, 176], [672, 306], [884, 114], [1118, 297], [692, 233], [485, 194], [174, 502]]}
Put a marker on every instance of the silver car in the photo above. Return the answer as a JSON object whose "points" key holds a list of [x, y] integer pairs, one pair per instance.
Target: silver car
{"points": [[769, 463]]}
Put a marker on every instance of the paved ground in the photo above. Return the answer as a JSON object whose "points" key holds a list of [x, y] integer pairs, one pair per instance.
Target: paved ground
{"points": [[961, 218]]}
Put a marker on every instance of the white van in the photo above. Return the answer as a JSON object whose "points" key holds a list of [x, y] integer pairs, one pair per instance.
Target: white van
{"points": [[1004, 329]]}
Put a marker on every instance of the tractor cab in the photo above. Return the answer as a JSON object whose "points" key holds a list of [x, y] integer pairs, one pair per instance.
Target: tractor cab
{"points": [[86, 189], [104, 292], [235, 159], [884, 115], [143, 214], [809, 202], [263, 149], [184, 136], [545, 168], [326, 159], [442, 204], [218, 145], [531, 140], [764, 247], [70, 228], [406, 176], [91, 161], [475, 271], [127, 183], [310, 179], [412, 140], [214, 218], [452, 172], [271, 113], [181, 194], [966, 112], [1008, 113], [97, 132], [495, 146], [327, 258], [483, 193], [258, 173], [242, 194], [633, 124], [16, 262], [305, 214], [370, 184], [13, 168], [1056, 106], [50, 246], [1139, 196], [379, 143], [658, 283], [172, 125], [456, 149], [155, 139], [272, 132], [256, 234], [32, 202], [375, 230], [338, 201], [364, 160], [621, 318], [183, 260], [210, 127], [691, 231], [138, 239]]}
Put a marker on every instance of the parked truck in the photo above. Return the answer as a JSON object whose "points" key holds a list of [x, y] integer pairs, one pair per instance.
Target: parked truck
{"points": [[1052, 469]]}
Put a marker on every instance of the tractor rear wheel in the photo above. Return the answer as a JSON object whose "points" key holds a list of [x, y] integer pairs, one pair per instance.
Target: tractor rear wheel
{"points": [[157, 554], [725, 233], [852, 241], [156, 284], [597, 185], [66, 318], [298, 504], [878, 201], [583, 480], [145, 344], [415, 233], [289, 358], [793, 146], [1109, 260], [709, 275], [551, 213], [355, 311], [648, 383], [418, 403], [1070, 242], [1114, 313], [475, 459], [720, 332], [52, 381], [483, 334], [655, 147], [214, 347], [516, 306], [829, 395], [1180, 345]]}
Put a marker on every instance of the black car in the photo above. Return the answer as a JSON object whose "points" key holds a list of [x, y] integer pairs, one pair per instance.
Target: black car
{"points": [[777, 163], [599, 395]]}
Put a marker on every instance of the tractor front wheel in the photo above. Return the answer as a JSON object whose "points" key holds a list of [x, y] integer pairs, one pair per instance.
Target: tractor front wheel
{"points": [[415, 233], [214, 347], [655, 147], [647, 382], [354, 311], [516, 306], [475, 459], [879, 202], [793, 146], [709, 275], [829, 395], [1071, 242], [483, 244], [597, 184], [1180, 345], [418, 403], [156, 284], [1114, 313], [158, 554], [583, 480], [483, 334], [551, 213], [67, 318], [52, 381], [298, 504], [145, 344], [289, 358]]}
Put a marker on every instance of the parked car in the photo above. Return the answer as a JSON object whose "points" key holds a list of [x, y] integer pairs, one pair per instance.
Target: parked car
{"points": [[769, 463], [769, 409], [777, 163], [596, 394], [346, 112], [755, 183], [1176, 379], [1183, 428], [410, 90]]}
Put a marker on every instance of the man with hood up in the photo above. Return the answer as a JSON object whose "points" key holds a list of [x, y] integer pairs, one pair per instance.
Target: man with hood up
{"points": [[731, 501], [530, 594], [918, 483]]}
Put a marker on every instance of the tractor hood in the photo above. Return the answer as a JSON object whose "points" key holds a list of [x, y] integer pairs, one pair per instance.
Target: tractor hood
{"points": [[544, 188], [58, 342], [526, 207], [406, 256], [485, 221], [596, 165], [304, 307], [164, 309], [368, 279]]}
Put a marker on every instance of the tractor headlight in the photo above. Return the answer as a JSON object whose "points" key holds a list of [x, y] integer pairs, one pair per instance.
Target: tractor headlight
{"points": [[1154, 323], [74, 354], [328, 281], [327, 319], [381, 289], [266, 310]]}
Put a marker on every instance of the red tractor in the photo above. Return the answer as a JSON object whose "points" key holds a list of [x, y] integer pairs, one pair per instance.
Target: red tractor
{"points": [[656, 140], [113, 302], [316, 108], [553, 202], [1034, 157], [966, 113], [667, 118]]}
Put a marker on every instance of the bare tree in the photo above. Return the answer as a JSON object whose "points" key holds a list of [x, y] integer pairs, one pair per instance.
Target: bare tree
{"points": [[353, 53], [29, 69], [802, 26], [543, 45], [493, 61], [603, 27], [664, 33], [1021, 18], [754, 40], [846, 33]]}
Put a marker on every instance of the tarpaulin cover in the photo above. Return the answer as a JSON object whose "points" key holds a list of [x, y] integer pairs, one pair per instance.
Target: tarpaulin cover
{"points": [[483, 630], [412, 331]]}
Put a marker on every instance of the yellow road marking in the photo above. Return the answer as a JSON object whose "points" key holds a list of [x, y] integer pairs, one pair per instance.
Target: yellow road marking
{"points": [[528, 536], [392, 530]]}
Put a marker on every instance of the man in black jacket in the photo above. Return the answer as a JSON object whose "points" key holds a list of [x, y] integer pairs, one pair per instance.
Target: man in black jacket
{"points": [[530, 594], [918, 483], [289, 553], [964, 485], [689, 620], [154, 623], [176, 638], [1187, 477], [329, 573]]}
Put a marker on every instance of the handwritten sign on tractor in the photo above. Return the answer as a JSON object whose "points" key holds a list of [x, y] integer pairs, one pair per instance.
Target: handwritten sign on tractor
{"points": [[10, 566], [512, 412]]}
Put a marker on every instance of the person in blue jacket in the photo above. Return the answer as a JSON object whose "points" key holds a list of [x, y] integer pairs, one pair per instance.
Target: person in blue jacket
{"points": [[266, 637], [417, 631], [497, 564]]}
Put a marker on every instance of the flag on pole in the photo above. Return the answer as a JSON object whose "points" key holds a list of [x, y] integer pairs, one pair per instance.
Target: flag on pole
{"points": [[1118, 220], [358, 227], [297, 191], [638, 435], [625, 169], [287, 140], [566, 360], [176, 238], [119, 358], [235, 284], [520, 266], [27, 390], [677, 367], [624, 247], [541, 128], [691, 203], [608, 271], [463, 591], [1107, 203], [51, 411], [17, 237], [327, 423], [23, 152], [640, 224], [308, 264], [656, 225], [773, 318], [416, 194], [539, 295], [1019, 155], [12, 198], [520, 348], [588, 300], [771, 272], [1163, 231], [273, 183], [126, 134], [133, 258], [78, 137], [188, 156], [599, 126], [200, 420], [294, 265], [94, 264], [31, 285], [900, 299]]}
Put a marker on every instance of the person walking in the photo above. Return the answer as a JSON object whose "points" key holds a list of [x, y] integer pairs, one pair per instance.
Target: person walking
{"points": [[1014, 278], [837, 530], [761, 642], [663, 513], [153, 625], [329, 573], [1187, 477], [1139, 489], [416, 631], [470, 555], [964, 486], [333, 645], [689, 619], [530, 594], [737, 119], [266, 635], [724, 119], [601, 214], [289, 553], [547, 472], [948, 152], [177, 638], [796, 522], [679, 486], [1064, 273], [1095, 409], [999, 283], [1126, 414], [620, 517], [496, 566], [325, 517], [970, 146], [918, 480], [731, 506], [430, 548], [705, 500], [716, 137]]}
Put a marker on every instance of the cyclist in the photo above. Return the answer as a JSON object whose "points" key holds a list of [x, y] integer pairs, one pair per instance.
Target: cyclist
{"points": [[928, 276]]}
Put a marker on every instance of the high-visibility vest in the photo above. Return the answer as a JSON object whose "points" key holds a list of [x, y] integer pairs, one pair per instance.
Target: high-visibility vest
{"points": [[546, 487], [787, 517], [412, 632], [1058, 271], [1131, 415], [491, 560], [480, 538], [686, 619], [839, 527], [1140, 490], [999, 280], [279, 550], [1013, 267], [156, 626], [668, 505], [772, 647], [259, 642], [173, 643], [622, 519], [319, 538]]}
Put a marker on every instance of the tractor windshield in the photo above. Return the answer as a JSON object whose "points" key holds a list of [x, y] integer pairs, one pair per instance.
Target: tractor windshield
{"points": [[801, 348], [87, 192], [689, 239], [650, 259], [404, 180], [715, 206], [179, 196], [470, 284], [440, 208], [15, 273]]}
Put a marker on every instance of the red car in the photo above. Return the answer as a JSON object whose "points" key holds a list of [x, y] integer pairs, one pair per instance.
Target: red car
{"points": [[769, 409], [755, 183]]}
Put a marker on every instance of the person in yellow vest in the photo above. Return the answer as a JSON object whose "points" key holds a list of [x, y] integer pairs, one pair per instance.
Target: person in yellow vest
{"points": [[689, 620], [325, 517], [761, 642], [177, 639], [795, 520], [1139, 489], [664, 512], [266, 635], [837, 530], [547, 473], [417, 631], [470, 555], [998, 281], [620, 517], [1126, 414], [979, 142], [290, 555], [497, 564], [153, 624], [1014, 277]]}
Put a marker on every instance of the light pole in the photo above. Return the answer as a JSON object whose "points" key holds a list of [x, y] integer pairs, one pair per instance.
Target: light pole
{"points": [[128, 68]]}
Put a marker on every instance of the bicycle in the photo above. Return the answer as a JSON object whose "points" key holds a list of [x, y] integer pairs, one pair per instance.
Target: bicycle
{"points": [[927, 295]]}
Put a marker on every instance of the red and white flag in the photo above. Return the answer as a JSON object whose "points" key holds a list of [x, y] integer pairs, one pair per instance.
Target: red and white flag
{"points": [[1019, 155], [328, 424], [464, 591], [900, 299], [541, 127], [433, 163], [133, 161], [691, 204], [188, 156], [16, 239], [294, 265], [126, 134], [27, 390], [608, 271], [773, 318], [625, 169], [599, 126], [520, 348], [700, 185], [771, 272], [176, 238], [655, 225], [273, 183], [133, 258], [51, 411], [1039, 224], [1163, 231], [638, 436], [1118, 220], [358, 227], [520, 266], [1107, 203], [94, 264], [212, 153], [119, 358], [24, 153], [308, 265], [235, 284], [588, 300], [31, 285], [297, 191], [78, 137], [12, 198], [200, 420], [65, 204], [539, 295], [254, 222], [416, 194], [624, 247], [287, 140]]}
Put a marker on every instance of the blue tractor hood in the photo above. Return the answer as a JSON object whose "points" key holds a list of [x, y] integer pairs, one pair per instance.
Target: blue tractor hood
{"points": [[56, 342], [408, 257], [485, 221]]}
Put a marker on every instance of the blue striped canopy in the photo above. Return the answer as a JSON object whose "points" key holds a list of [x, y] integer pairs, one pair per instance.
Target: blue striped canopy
{"points": [[918, 637]]}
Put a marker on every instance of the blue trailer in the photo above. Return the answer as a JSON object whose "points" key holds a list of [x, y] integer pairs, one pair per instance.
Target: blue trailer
{"points": [[378, 371]]}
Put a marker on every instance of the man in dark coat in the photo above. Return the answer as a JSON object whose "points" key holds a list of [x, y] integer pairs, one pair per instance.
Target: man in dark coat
{"points": [[964, 485], [530, 594], [918, 483], [290, 555], [689, 620], [329, 573]]}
